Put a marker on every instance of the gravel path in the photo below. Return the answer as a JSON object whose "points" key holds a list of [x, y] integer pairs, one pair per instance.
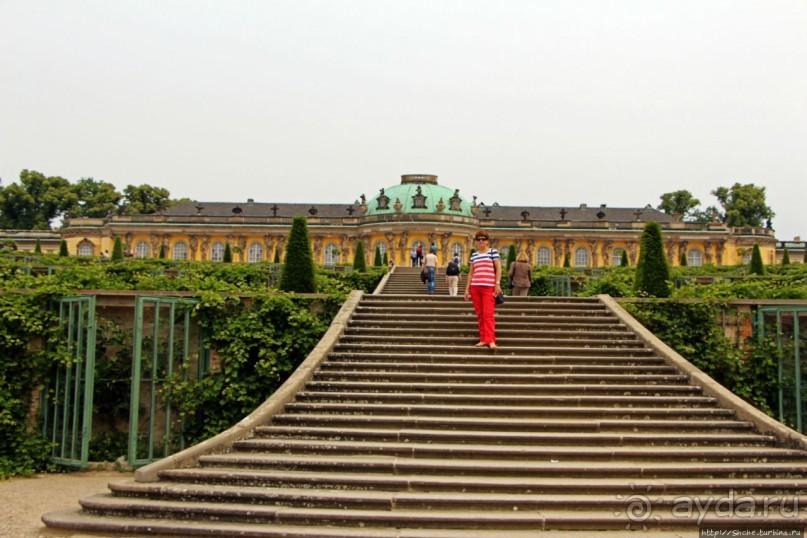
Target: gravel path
{"points": [[24, 500]]}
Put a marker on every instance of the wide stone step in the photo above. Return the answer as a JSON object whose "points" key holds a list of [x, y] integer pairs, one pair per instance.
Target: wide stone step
{"points": [[508, 389], [466, 309], [499, 378], [404, 522], [489, 368], [588, 358], [501, 424], [504, 410], [557, 400], [526, 320], [515, 451], [380, 321], [403, 482], [504, 348], [523, 467], [517, 339], [538, 438], [470, 327]]}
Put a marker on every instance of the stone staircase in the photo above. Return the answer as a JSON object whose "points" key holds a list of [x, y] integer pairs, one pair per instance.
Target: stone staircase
{"points": [[405, 429]]}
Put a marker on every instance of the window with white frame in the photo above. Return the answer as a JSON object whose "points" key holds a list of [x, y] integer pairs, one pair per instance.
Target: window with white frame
{"points": [[581, 257], [616, 256], [543, 256], [331, 254], [85, 249], [694, 257], [458, 251], [142, 249], [255, 253], [747, 256], [217, 251], [180, 251]]}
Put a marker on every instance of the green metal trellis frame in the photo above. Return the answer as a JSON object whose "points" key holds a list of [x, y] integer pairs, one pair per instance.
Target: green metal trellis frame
{"points": [[163, 345], [788, 324], [68, 397]]}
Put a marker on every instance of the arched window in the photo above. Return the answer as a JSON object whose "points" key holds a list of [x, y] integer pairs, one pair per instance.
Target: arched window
{"points": [[217, 252], [142, 249], [458, 251], [694, 257], [85, 249], [616, 256], [331, 254], [180, 251], [543, 256], [747, 257], [581, 257], [255, 253]]}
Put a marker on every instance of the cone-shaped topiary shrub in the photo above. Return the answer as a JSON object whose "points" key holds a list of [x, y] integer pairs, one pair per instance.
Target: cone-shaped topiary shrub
{"points": [[117, 250], [377, 257], [386, 260], [228, 254], [785, 258], [162, 252], [652, 271], [567, 262], [756, 267], [623, 262], [37, 247], [682, 260], [276, 259], [359, 263], [63, 249], [298, 271], [511, 256]]}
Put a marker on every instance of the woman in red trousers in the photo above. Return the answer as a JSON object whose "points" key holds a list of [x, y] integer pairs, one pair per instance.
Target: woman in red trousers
{"points": [[482, 287]]}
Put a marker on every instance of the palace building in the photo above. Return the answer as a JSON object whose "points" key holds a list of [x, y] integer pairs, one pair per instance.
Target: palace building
{"points": [[416, 212]]}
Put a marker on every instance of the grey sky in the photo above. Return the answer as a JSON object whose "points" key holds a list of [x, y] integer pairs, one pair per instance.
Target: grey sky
{"points": [[518, 102]]}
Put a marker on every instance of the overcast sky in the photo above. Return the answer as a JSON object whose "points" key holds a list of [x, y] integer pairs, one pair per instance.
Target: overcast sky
{"points": [[531, 102]]}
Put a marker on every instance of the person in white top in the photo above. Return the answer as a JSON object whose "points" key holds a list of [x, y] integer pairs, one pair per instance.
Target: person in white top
{"points": [[430, 262]]}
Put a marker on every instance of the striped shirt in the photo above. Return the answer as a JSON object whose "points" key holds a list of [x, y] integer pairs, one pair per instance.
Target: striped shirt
{"points": [[484, 269]]}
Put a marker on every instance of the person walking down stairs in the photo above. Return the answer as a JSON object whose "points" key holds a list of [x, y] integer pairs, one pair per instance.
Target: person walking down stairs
{"points": [[483, 286], [430, 263], [521, 275]]}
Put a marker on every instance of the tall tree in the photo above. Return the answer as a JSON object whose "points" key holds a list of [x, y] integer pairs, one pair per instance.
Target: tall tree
{"points": [[756, 267], [34, 202], [743, 205], [298, 271], [144, 200], [652, 271], [117, 250], [95, 199], [359, 263], [680, 203]]}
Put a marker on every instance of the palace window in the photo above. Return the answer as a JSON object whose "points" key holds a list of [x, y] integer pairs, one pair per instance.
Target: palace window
{"points": [[142, 249], [747, 256], [543, 256], [616, 256], [459, 252], [581, 257], [217, 252], [331, 254], [694, 257], [85, 249], [180, 251], [255, 253], [382, 249]]}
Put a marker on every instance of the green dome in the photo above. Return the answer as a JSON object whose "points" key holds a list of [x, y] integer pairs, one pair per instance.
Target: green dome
{"points": [[419, 194]]}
